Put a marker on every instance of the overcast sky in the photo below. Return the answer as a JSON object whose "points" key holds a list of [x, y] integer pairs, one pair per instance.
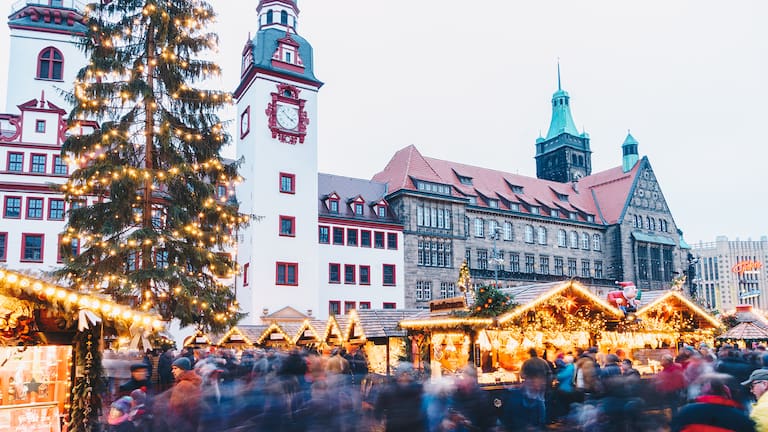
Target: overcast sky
{"points": [[472, 81]]}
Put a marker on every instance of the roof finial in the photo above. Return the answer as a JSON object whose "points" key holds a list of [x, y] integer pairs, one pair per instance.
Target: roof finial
{"points": [[558, 75]]}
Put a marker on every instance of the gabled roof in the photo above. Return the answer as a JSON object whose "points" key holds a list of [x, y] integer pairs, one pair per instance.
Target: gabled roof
{"points": [[604, 195], [653, 299]]}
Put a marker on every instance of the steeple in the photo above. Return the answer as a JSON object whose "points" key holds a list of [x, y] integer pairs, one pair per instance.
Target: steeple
{"points": [[564, 154], [562, 121], [279, 14], [629, 152]]}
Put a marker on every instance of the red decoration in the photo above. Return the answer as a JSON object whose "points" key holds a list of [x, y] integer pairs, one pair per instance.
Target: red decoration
{"points": [[287, 95]]}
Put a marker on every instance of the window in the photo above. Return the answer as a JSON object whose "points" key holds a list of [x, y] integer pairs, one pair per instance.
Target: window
{"points": [[381, 211], [3, 246], [338, 236], [466, 226], [493, 203], [433, 187], [447, 290], [349, 306], [364, 305], [585, 269], [32, 247], [365, 238], [541, 235], [34, 208], [246, 269], [284, 18], [50, 64], [378, 240], [16, 162], [287, 274], [554, 213], [351, 237], [544, 265], [333, 206], [530, 263], [423, 290], [161, 259], [388, 274], [514, 262], [585, 241], [479, 227], [482, 259], [529, 233], [598, 269], [334, 273], [642, 262], [562, 240], [349, 274], [571, 267], [59, 166], [74, 248], [508, 231], [287, 183], [131, 260], [245, 118], [558, 266], [391, 240], [40, 126], [433, 217], [534, 210], [388, 305], [334, 306], [365, 275], [597, 244], [158, 217], [13, 207], [574, 239], [492, 228], [323, 235], [572, 216], [287, 226], [288, 56], [656, 263], [468, 257], [358, 209], [434, 253]]}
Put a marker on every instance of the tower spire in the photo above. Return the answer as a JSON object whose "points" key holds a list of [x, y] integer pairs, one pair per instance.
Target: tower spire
{"points": [[559, 87]]}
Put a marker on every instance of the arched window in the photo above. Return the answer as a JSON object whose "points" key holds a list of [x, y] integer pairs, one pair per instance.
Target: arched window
{"points": [[270, 16], [283, 17], [50, 64]]}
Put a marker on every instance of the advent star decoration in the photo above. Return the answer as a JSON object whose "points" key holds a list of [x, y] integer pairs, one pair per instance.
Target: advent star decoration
{"points": [[152, 203]]}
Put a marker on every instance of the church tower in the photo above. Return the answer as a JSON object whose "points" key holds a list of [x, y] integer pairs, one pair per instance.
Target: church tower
{"points": [[564, 155], [277, 142], [44, 56], [630, 156]]}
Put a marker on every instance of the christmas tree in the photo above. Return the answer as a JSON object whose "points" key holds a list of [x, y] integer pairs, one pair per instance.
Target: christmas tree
{"points": [[152, 208]]}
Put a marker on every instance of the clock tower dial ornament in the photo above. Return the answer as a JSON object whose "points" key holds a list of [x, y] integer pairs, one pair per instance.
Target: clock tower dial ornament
{"points": [[287, 117]]}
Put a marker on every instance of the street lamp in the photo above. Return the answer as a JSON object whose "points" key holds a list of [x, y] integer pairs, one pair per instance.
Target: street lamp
{"points": [[495, 259]]}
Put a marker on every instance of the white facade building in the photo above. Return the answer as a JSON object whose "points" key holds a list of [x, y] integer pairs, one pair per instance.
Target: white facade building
{"points": [[732, 272], [43, 59]]}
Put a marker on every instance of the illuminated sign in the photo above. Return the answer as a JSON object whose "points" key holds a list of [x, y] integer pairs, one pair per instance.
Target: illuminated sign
{"points": [[742, 267]]}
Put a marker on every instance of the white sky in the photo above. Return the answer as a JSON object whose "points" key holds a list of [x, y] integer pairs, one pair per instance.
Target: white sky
{"points": [[472, 81]]}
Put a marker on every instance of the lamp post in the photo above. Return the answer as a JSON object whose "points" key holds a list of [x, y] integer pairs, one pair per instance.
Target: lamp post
{"points": [[495, 259]]}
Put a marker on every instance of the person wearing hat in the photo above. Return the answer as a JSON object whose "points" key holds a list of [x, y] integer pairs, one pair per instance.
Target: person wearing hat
{"points": [[185, 397], [139, 380], [758, 385], [118, 418]]}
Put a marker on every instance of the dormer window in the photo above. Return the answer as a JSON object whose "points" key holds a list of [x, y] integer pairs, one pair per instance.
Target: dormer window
{"points": [[465, 180], [514, 206], [358, 209], [381, 211], [534, 210], [433, 187], [572, 216], [286, 55], [473, 200], [554, 213], [590, 218], [333, 206], [493, 203], [517, 189], [562, 197]]}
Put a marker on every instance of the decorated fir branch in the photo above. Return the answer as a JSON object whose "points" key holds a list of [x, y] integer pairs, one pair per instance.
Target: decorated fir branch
{"points": [[490, 302], [152, 202], [89, 382]]}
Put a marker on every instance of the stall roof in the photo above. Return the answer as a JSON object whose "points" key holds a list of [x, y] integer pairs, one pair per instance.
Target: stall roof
{"points": [[748, 330], [379, 323], [655, 298]]}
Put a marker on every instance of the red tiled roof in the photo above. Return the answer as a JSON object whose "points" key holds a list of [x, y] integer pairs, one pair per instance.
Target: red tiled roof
{"points": [[603, 195]]}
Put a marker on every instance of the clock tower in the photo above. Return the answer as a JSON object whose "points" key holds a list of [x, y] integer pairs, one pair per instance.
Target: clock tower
{"points": [[564, 155], [277, 143]]}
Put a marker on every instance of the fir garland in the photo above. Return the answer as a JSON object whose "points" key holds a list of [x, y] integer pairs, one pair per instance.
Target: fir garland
{"points": [[490, 302], [87, 390]]}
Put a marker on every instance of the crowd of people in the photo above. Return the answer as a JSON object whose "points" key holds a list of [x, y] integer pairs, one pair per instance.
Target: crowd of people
{"points": [[700, 389]]}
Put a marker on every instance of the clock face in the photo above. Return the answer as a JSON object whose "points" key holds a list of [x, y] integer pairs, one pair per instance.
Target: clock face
{"points": [[287, 116]]}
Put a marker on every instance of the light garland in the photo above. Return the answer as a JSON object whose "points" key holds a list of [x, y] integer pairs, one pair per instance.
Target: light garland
{"points": [[646, 309]]}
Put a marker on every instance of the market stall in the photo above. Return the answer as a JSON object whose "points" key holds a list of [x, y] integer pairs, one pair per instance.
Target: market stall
{"points": [[50, 352], [749, 327], [378, 333]]}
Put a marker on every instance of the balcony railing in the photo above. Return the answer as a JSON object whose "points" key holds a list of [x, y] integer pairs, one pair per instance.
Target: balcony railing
{"points": [[70, 4]]}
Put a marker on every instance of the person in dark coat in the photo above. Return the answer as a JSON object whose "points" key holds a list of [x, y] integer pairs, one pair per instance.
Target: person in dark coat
{"points": [[472, 402], [714, 410], [164, 370], [139, 380], [523, 407], [399, 405]]}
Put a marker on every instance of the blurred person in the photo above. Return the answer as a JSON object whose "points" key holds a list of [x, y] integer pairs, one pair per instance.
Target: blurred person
{"points": [[472, 403], [713, 410], [564, 393], [139, 414], [586, 374], [524, 407], [164, 370], [118, 419], [181, 408], [758, 385], [399, 404], [436, 398], [732, 362], [139, 380], [670, 383]]}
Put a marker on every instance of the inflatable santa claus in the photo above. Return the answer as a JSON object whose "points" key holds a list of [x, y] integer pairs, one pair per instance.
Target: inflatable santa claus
{"points": [[627, 299]]}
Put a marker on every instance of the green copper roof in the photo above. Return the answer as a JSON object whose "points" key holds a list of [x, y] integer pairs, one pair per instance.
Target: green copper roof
{"points": [[630, 140], [562, 121], [265, 44]]}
